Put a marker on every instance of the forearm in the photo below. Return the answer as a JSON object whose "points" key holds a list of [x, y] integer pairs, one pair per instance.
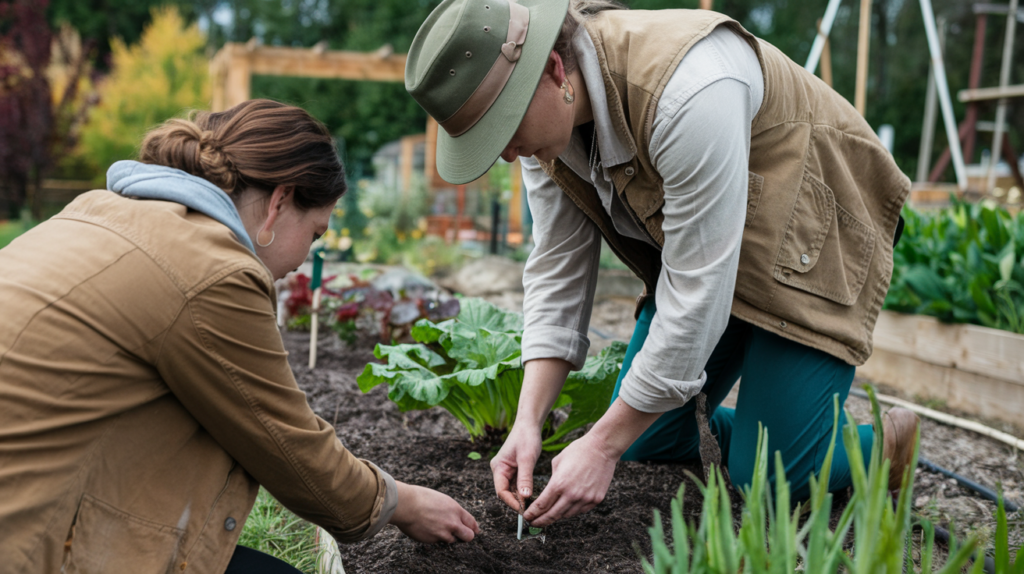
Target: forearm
{"points": [[542, 383], [619, 427]]}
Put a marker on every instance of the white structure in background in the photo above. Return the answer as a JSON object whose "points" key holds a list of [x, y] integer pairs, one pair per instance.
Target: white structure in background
{"points": [[887, 134], [937, 65]]}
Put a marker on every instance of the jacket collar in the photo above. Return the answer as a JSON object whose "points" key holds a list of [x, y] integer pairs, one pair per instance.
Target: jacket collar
{"points": [[145, 181]]}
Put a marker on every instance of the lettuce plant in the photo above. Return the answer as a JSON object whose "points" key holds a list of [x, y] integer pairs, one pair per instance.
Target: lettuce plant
{"points": [[773, 538], [471, 366]]}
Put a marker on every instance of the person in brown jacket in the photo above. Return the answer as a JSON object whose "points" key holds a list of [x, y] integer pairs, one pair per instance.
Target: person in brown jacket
{"points": [[145, 393], [756, 205]]}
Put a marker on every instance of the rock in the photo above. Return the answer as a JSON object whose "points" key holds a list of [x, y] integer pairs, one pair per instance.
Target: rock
{"points": [[486, 276], [920, 501]]}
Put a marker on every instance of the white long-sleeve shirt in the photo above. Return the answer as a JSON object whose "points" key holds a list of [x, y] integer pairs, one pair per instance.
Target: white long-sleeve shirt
{"points": [[700, 145]]}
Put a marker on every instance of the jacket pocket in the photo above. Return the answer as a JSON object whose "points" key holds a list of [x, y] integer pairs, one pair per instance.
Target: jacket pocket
{"points": [[755, 183], [106, 539], [826, 251]]}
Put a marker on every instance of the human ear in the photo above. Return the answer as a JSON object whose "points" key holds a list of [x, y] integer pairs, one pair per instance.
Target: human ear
{"points": [[282, 197], [555, 68]]}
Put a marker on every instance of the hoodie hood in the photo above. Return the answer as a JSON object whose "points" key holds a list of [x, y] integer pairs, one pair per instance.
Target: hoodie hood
{"points": [[135, 179]]}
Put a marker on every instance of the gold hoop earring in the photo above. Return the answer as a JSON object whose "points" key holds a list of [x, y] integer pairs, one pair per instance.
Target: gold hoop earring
{"points": [[273, 235], [568, 97]]}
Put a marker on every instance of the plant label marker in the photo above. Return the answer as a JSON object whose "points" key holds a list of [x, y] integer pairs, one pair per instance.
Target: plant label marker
{"points": [[316, 285]]}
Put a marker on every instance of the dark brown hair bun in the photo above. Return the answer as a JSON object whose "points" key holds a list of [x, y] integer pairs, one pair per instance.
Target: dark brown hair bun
{"points": [[257, 144]]}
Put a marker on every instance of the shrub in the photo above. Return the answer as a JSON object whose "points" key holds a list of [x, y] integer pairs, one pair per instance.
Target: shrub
{"points": [[964, 264]]}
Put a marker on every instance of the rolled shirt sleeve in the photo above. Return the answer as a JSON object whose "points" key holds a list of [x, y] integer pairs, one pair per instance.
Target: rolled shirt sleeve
{"points": [[561, 273], [700, 145], [224, 360]]}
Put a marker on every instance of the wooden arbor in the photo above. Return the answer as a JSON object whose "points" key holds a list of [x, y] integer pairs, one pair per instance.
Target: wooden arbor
{"points": [[233, 66]]}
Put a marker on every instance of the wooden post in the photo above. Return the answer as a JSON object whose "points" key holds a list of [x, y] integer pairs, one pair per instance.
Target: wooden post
{"points": [[826, 59], [316, 284], [515, 203], [924, 152], [824, 29], [946, 105], [405, 163], [1004, 80], [705, 4], [430, 155], [863, 44]]}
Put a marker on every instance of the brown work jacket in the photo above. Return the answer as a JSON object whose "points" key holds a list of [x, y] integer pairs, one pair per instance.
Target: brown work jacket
{"points": [[145, 394], [823, 200]]}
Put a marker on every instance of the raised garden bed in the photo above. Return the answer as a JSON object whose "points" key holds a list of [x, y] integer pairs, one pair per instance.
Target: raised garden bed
{"points": [[969, 368]]}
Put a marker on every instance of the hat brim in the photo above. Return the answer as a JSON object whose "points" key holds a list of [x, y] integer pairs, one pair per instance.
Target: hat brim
{"points": [[465, 158]]}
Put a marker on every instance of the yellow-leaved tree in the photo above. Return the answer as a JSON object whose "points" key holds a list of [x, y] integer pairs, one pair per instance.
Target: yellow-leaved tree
{"points": [[163, 76]]}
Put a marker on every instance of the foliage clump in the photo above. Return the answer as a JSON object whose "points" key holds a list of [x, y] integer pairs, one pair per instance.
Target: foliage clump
{"points": [[472, 367], [163, 76], [773, 538], [963, 264]]}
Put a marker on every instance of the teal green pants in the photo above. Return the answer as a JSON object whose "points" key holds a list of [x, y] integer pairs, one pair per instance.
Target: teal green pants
{"points": [[787, 387]]}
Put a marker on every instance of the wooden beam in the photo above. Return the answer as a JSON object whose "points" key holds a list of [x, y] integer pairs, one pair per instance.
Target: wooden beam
{"points": [[997, 10], [333, 64], [982, 94], [233, 66]]}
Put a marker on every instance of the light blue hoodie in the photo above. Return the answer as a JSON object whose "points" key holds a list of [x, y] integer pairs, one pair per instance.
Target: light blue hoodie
{"points": [[135, 179]]}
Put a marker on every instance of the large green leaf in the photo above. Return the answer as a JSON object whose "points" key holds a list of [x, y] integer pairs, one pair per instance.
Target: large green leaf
{"points": [[590, 391], [479, 314]]}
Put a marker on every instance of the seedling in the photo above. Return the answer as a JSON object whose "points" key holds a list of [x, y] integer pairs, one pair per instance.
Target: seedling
{"points": [[531, 531]]}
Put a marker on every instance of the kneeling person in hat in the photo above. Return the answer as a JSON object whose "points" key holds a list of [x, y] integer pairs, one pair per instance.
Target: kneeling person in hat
{"points": [[756, 205]]}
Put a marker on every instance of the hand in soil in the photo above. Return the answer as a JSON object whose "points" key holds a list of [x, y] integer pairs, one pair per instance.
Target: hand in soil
{"points": [[515, 462], [429, 516], [579, 481]]}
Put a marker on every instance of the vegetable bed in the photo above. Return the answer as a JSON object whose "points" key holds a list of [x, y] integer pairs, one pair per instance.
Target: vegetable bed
{"points": [[431, 448]]}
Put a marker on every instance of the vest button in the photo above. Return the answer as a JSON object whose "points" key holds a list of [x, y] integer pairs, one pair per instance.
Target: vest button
{"points": [[229, 524], [630, 171], [805, 259]]}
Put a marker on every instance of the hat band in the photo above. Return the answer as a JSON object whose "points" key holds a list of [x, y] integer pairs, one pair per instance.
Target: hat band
{"points": [[494, 82]]}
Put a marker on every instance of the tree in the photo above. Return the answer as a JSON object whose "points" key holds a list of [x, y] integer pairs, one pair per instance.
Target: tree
{"points": [[163, 76], [26, 116]]}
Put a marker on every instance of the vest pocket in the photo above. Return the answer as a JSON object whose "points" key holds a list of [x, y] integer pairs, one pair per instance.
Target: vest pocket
{"points": [[826, 251], [106, 539]]}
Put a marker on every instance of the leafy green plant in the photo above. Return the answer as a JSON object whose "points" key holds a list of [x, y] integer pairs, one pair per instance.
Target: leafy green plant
{"points": [[471, 366], [964, 264], [772, 538]]}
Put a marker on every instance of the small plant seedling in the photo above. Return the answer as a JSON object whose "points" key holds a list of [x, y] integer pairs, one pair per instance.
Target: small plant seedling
{"points": [[532, 531], [474, 456]]}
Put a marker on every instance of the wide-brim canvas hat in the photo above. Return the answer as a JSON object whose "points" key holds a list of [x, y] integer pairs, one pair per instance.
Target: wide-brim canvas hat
{"points": [[474, 67]]}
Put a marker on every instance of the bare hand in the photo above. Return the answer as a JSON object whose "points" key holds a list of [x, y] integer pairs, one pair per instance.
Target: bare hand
{"points": [[513, 465], [426, 515], [579, 481]]}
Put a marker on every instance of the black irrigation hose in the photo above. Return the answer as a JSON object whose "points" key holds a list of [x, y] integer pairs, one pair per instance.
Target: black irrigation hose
{"points": [[942, 535], [983, 491]]}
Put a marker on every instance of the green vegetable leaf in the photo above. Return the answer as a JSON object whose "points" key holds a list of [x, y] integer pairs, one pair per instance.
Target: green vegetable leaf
{"points": [[471, 366], [590, 391], [474, 456]]}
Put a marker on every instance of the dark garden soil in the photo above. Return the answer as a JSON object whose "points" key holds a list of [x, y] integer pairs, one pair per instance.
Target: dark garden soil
{"points": [[430, 448]]}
